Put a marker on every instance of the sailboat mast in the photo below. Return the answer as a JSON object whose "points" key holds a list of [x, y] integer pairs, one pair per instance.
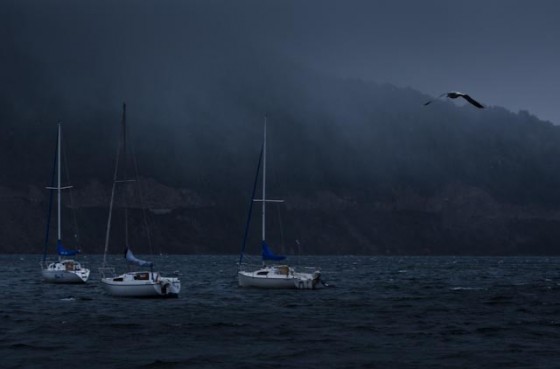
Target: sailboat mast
{"points": [[115, 174], [264, 184], [125, 177], [58, 187]]}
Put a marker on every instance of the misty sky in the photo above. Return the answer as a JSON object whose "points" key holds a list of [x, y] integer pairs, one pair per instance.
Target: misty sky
{"points": [[504, 53]]}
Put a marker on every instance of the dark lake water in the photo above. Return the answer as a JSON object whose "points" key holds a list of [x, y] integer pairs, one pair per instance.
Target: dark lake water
{"points": [[384, 312]]}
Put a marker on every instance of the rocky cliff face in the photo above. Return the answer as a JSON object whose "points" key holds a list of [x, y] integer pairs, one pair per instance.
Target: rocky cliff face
{"points": [[459, 219]]}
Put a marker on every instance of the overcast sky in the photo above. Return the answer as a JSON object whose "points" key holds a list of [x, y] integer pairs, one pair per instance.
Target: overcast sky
{"points": [[504, 53]]}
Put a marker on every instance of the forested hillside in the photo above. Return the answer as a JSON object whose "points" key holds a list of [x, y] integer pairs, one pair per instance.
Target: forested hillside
{"points": [[363, 167]]}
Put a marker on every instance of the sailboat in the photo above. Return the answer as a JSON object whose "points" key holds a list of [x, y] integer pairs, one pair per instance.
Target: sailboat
{"points": [[137, 283], [64, 270], [271, 276]]}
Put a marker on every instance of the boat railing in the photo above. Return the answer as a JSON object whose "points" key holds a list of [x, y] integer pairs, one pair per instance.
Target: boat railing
{"points": [[174, 273], [309, 268], [249, 264], [108, 270], [45, 264], [255, 264]]}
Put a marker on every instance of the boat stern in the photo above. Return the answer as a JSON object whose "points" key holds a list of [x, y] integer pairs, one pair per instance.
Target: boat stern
{"points": [[169, 286]]}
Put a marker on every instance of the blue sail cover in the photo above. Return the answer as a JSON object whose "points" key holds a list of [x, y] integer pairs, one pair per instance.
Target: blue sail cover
{"points": [[63, 252], [267, 254], [134, 260]]}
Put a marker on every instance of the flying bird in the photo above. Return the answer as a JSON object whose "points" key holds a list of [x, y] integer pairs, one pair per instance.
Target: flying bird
{"points": [[455, 94]]}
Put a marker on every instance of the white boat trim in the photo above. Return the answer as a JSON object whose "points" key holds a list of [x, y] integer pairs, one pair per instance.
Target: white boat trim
{"points": [[142, 284], [65, 271], [279, 277]]}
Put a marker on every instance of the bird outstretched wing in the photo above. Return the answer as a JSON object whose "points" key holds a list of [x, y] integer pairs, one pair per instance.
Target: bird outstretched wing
{"points": [[454, 95], [472, 101]]}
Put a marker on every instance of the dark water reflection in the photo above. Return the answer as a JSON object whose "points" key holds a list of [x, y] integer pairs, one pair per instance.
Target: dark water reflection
{"points": [[384, 312]]}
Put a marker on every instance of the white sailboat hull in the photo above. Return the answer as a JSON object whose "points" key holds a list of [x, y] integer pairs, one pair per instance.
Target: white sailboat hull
{"points": [[64, 277], [135, 284], [275, 278], [65, 271]]}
